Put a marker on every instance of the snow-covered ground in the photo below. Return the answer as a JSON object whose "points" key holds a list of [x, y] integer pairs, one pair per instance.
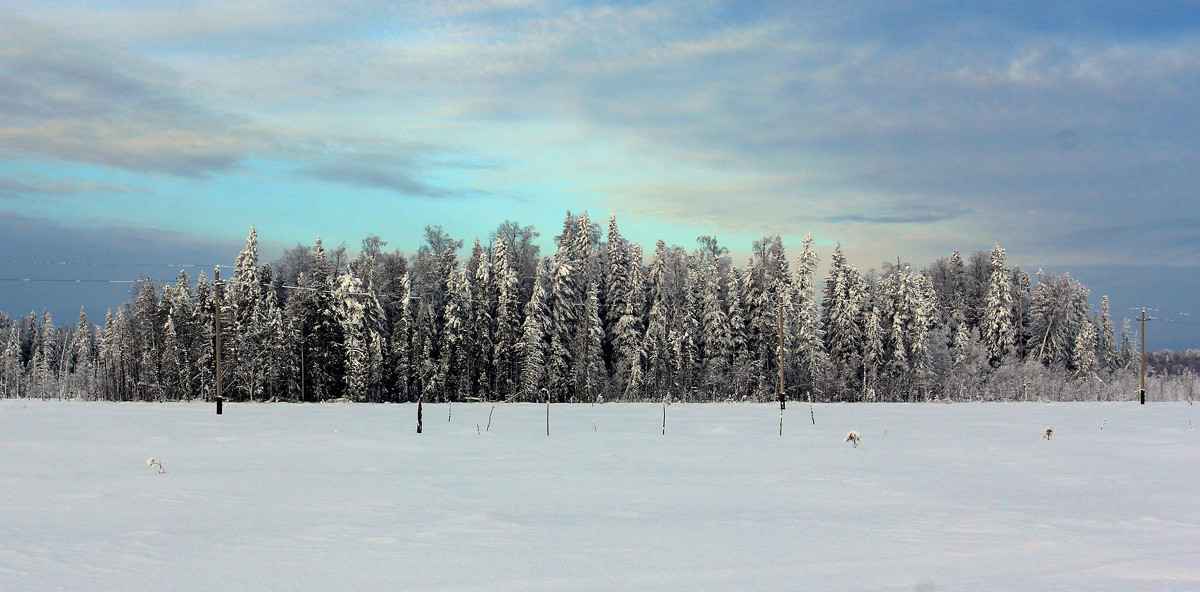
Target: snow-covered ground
{"points": [[349, 497]]}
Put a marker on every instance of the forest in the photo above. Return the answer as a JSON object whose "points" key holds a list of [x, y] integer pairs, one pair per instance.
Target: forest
{"points": [[594, 322]]}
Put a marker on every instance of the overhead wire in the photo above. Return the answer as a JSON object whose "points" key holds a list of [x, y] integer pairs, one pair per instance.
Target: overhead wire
{"points": [[106, 264], [58, 280]]}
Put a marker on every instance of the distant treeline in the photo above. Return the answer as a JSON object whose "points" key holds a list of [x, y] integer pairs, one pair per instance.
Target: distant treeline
{"points": [[593, 322], [1174, 362]]}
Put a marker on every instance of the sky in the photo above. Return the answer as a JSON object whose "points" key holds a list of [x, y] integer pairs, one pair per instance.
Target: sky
{"points": [[157, 132]]}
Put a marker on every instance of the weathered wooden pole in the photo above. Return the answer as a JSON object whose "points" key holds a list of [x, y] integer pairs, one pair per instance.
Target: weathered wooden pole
{"points": [[782, 397], [1143, 388], [217, 285]]}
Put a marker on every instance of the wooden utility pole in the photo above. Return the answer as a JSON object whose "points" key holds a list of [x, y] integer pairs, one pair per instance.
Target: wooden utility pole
{"points": [[217, 285], [1143, 389], [782, 398]]}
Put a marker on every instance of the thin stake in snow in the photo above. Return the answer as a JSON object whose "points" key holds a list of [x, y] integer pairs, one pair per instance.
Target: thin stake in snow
{"points": [[547, 394], [489, 425], [664, 426], [419, 422]]}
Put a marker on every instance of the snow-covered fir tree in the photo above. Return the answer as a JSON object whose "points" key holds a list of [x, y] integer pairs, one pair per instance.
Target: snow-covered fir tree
{"points": [[997, 329], [508, 321], [845, 295], [534, 347], [1106, 343]]}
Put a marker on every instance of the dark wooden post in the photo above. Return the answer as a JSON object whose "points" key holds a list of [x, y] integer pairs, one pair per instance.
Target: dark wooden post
{"points": [[1143, 389], [217, 285]]}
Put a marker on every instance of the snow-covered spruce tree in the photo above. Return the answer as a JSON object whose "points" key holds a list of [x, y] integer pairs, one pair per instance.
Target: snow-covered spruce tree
{"points": [[627, 335], [716, 343], [431, 271], [845, 296], [400, 363], [146, 326], [784, 295], [508, 321], [275, 359], [456, 363], [686, 323], [585, 240], [1106, 344], [1083, 356], [43, 356], [593, 384], [812, 359], [907, 302], [482, 330], [1126, 354], [240, 346], [1022, 299], [948, 277], [738, 354], [566, 315], [119, 357], [655, 343], [582, 334], [40, 369], [997, 329], [174, 362], [978, 281], [82, 356], [614, 296], [11, 373], [201, 340], [873, 353], [1058, 311], [762, 305], [312, 313], [105, 371], [180, 312], [360, 317], [533, 348]]}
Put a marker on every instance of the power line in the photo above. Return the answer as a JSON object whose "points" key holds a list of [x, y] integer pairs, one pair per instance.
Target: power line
{"points": [[106, 264], [66, 281]]}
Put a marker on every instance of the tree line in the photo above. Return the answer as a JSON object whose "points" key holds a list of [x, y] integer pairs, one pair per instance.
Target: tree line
{"points": [[593, 322]]}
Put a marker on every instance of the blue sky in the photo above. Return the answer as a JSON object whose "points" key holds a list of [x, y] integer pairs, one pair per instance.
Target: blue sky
{"points": [[1066, 131]]}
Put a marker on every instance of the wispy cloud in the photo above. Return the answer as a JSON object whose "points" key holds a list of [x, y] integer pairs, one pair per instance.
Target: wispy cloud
{"points": [[372, 178], [13, 189], [71, 100]]}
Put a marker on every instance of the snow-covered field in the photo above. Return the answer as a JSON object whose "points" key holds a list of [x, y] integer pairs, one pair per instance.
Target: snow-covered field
{"points": [[349, 497]]}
